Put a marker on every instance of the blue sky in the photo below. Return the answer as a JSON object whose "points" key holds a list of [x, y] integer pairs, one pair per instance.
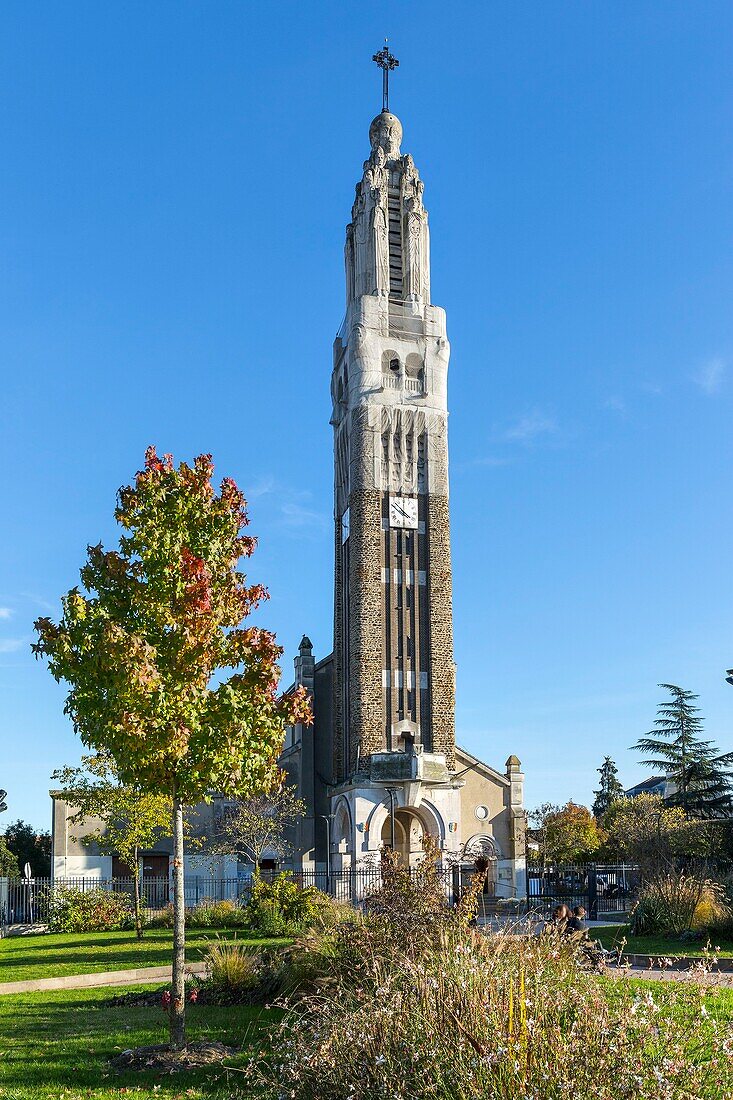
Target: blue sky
{"points": [[175, 183]]}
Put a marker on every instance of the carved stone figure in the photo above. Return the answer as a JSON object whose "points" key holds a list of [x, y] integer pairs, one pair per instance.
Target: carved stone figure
{"points": [[414, 266], [381, 248]]}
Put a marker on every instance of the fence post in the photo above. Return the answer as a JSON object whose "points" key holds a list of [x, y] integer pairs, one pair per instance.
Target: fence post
{"points": [[592, 892]]}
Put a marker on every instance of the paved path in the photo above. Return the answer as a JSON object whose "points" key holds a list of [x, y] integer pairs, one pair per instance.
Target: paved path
{"points": [[88, 981], [693, 973]]}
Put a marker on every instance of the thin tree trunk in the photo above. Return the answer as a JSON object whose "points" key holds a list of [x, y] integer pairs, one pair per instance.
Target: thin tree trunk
{"points": [[178, 992], [138, 913]]}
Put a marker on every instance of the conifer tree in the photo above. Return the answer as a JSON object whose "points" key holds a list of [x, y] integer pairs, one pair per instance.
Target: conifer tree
{"points": [[700, 776], [609, 789]]}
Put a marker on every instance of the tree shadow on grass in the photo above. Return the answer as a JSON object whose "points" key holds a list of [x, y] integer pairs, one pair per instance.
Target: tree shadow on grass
{"points": [[50, 1044]]}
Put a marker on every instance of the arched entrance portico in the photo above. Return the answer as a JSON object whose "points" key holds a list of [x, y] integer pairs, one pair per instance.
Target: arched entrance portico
{"points": [[410, 829]]}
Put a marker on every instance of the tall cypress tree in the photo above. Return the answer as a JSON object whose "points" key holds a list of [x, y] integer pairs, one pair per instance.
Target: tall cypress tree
{"points": [[701, 776], [609, 788]]}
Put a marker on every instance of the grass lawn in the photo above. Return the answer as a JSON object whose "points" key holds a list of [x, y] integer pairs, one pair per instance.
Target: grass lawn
{"points": [[683, 1000], [57, 1045], [28, 957], [655, 945]]}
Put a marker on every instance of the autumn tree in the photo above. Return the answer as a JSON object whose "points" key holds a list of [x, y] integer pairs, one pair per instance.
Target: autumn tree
{"points": [[566, 833], [648, 831], [131, 819], [163, 674], [700, 777], [259, 824], [609, 787]]}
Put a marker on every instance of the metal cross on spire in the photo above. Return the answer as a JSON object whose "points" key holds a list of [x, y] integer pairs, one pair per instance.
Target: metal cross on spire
{"points": [[386, 63]]}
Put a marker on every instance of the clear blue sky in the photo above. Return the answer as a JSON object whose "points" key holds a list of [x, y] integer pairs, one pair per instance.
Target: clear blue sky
{"points": [[175, 182]]}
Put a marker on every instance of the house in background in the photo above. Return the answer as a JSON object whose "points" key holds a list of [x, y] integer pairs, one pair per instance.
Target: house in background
{"points": [[656, 784]]}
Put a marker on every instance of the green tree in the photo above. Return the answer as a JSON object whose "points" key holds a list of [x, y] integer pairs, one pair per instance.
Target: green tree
{"points": [[30, 846], [609, 788], [702, 778], [259, 824], [130, 819], [8, 862], [146, 648], [648, 831], [566, 833]]}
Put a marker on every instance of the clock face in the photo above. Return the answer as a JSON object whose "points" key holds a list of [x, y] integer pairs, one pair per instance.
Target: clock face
{"points": [[345, 526], [403, 512]]}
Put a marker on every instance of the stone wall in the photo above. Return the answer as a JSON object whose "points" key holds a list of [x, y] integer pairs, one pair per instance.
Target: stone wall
{"points": [[442, 671], [366, 727]]}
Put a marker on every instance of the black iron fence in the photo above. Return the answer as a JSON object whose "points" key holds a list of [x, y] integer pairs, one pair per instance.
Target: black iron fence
{"points": [[28, 901], [602, 889]]}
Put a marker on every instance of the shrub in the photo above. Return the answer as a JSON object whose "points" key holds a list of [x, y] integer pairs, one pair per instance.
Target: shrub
{"points": [[670, 904], [97, 910], [282, 907], [316, 961], [208, 914], [233, 972]]}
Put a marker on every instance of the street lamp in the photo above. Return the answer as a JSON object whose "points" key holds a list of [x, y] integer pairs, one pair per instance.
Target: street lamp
{"points": [[327, 819], [391, 791]]}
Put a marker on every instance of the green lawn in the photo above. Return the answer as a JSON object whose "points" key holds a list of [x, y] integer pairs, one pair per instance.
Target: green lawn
{"points": [[57, 1045], [682, 1000], [28, 957], [655, 945]]}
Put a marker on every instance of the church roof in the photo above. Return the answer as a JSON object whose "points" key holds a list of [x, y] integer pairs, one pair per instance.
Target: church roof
{"points": [[463, 756]]}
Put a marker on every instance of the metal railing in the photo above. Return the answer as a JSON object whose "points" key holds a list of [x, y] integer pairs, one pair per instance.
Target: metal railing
{"points": [[27, 902], [600, 888]]}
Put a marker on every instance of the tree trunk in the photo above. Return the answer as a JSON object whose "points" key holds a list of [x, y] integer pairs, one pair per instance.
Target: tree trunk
{"points": [[136, 881], [178, 992]]}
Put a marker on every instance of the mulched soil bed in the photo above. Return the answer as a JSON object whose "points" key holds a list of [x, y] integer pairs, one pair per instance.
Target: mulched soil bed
{"points": [[171, 1061], [153, 998]]}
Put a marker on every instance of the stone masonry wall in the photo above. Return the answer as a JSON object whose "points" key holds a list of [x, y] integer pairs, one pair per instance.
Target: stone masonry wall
{"points": [[442, 668], [365, 690], [338, 720]]}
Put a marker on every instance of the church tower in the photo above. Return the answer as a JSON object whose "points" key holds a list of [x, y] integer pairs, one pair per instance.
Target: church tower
{"points": [[393, 637], [380, 768]]}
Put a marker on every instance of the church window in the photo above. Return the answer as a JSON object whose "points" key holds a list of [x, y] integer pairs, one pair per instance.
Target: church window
{"points": [[421, 479], [413, 366], [395, 243]]}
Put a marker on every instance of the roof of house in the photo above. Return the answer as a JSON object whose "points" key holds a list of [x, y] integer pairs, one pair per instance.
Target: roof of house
{"points": [[648, 784]]}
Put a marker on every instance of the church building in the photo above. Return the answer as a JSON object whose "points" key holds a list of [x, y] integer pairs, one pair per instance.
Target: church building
{"points": [[380, 764]]}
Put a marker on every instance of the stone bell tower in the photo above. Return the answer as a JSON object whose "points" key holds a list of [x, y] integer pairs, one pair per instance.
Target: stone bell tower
{"points": [[393, 637]]}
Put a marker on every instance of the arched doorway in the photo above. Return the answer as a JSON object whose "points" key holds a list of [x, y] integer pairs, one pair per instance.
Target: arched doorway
{"points": [[409, 834], [480, 856]]}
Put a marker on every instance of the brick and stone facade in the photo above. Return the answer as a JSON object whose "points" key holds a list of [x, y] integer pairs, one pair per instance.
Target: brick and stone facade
{"points": [[394, 762]]}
